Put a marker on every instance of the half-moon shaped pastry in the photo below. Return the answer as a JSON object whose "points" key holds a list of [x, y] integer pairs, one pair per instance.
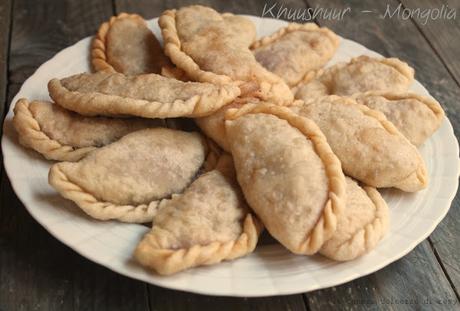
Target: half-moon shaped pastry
{"points": [[208, 223], [244, 29], [361, 74], [62, 135], [199, 41], [127, 179], [370, 147], [361, 226], [288, 173], [125, 44], [416, 117], [296, 49], [149, 95]]}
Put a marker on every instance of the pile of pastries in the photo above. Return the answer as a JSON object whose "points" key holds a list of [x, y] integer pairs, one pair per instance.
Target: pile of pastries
{"points": [[282, 142]]}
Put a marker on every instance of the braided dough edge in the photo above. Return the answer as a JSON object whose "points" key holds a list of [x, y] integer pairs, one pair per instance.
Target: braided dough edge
{"points": [[31, 136], [416, 180], [172, 48], [112, 105], [99, 58], [168, 261], [327, 222], [366, 238], [103, 210], [429, 102]]}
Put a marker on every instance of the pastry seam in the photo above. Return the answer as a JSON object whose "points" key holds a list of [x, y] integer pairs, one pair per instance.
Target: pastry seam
{"points": [[420, 172], [127, 213], [173, 49], [193, 105], [31, 135], [149, 252], [376, 227], [327, 222], [99, 58], [292, 27], [430, 103]]}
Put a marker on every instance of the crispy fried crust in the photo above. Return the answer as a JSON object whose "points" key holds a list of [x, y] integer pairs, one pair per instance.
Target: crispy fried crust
{"points": [[99, 46], [406, 122], [103, 210], [95, 103], [31, 136], [155, 252], [416, 180], [272, 84], [183, 61], [323, 79], [150, 51], [293, 27], [365, 238], [429, 102], [327, 222], [169, 261]]}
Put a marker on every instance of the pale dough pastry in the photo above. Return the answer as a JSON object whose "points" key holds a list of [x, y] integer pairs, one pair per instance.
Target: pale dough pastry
{"points": [[149, 95], [295, 50], [370, 147], [62, 135], [200, 42], [361, 74], [242, 27], [416, 117], [127, 179], [361, 226], [125, 44], [288, 173], [208, 223]]}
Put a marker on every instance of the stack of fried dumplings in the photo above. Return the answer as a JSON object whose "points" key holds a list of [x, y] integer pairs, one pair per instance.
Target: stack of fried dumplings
{"points": [[280, 140]]}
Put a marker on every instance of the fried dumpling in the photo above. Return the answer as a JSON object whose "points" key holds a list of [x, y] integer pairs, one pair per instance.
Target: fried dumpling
{"points": [[361, 74], [149, 95], [127, 179], [125, 44], [205, 225], [295, 50], [200, 42], [288, 173], [370, 147], [416, 117], [361, 226], [243, 27], [62, 135]]}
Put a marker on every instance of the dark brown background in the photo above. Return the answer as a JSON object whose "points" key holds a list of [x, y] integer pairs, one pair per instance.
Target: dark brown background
{"points": [[37, 272]]}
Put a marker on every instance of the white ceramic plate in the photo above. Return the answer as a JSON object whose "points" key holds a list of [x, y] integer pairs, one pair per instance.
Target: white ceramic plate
{"points": [[271, 269]]}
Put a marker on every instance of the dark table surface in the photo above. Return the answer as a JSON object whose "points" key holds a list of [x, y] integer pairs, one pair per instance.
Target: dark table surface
{"points": [[37, 272]]}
